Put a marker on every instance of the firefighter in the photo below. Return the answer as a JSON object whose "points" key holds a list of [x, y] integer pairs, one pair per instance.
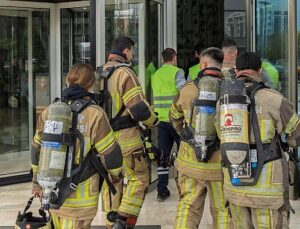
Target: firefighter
{"points": [[129, 107], [166, 82], [196, 179], [264, 204], [230, 50], [80, 207]]}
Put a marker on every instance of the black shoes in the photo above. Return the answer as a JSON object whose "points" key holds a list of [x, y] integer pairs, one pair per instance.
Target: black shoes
{"points": [[162, 196], [120, 224]]}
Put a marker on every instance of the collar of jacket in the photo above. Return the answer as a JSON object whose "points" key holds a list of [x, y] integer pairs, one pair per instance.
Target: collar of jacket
{"points": [[216, 72], [117, 57], [76, 92], [249, 73]]}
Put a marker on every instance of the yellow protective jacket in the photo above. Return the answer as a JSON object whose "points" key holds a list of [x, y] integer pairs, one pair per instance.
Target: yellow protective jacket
{"points": [[93, 124], [186, 161], [125, 89], [275, 115]]}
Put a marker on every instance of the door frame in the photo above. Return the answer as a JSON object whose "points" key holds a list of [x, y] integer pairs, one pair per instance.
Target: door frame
{"points": [[58, 60], [26, 7]]}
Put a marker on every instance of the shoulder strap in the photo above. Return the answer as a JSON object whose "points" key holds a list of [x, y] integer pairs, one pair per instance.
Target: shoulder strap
{"points": [[256, 130], [108, 71], [105, 74], [77, 107], [118, 115]]}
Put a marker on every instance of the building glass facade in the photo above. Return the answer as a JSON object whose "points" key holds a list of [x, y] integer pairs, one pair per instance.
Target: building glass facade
{"points": [[272, 31], [24, 83]]}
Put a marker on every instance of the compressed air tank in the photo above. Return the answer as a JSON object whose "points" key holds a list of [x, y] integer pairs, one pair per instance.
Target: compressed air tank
{"points": [[205, 111], [53, 153], [234, 127]]}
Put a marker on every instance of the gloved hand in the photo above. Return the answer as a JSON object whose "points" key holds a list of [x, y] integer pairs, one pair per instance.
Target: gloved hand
{"points": [[115, 179], [37, 190]]}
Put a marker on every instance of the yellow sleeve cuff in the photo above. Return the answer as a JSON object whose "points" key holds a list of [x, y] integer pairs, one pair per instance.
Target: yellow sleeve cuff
{"points": [[115, 172]]}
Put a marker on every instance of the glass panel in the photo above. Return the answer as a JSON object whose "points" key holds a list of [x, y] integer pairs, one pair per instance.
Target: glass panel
{"points": [[195, 25], [24, 87], [75, 38], [272, 31], [154, 41], [125, 18], [235, 22], [298, 57]]}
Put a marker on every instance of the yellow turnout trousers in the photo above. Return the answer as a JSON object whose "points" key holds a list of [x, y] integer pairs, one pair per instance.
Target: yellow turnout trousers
{"points": [[191, 204], [64, 223], [111, 202], [130, 202], [258, 218]]}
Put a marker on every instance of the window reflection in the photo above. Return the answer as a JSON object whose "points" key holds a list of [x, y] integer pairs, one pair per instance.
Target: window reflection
{"points": [[122, 18], [298, 56], [75, 38], [235, 22], [272, 41], [24, 83]]}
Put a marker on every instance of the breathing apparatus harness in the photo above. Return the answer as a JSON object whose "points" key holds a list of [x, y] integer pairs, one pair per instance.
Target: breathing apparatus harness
{"points": [[252, 166], [208, 104], [103, 98], [75, 174]]}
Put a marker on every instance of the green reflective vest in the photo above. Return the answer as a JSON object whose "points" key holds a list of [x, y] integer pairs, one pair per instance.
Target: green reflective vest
{"points": [[194, 70], [163, 83], [150, 70], [272, 73]]}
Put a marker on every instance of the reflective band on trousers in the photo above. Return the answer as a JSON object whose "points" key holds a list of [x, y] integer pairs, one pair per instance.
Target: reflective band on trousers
{"points": [[162, 171]]}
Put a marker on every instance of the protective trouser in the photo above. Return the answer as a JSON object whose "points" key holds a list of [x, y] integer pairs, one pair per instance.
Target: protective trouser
{"points": [[62, 223], [259, 218], [112, 202], [137, 177], [166, 138], [191, 204]]}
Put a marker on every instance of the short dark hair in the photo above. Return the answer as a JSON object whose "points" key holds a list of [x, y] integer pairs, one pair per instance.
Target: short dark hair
{"points": [[198, 48], [122, 43], [214, 53], [248, 60], [168, 54], [228, 43]]}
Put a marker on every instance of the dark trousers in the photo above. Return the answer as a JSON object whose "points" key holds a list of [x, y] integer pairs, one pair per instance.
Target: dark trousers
{"points": [[166, 138]]}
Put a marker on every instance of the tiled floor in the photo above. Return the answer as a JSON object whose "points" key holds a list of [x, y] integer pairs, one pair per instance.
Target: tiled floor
{"points": [[14, 197]]}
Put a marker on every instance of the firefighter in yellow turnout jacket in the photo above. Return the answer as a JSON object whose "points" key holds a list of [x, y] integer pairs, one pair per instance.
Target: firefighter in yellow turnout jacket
{"points": [[127, 95], [196, 179], [80, 207], [265, 204]]}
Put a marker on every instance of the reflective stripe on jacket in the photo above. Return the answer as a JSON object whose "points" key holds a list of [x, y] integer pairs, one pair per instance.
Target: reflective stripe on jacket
{"points": [[125, 89]]}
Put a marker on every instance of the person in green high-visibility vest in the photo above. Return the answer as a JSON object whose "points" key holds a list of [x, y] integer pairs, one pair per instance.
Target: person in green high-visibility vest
{"points": [[165, 83], [272, 72], [194, 67]]}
